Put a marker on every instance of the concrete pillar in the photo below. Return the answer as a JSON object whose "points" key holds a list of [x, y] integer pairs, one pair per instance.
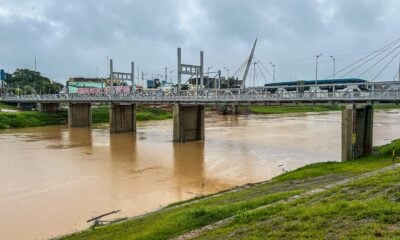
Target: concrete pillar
{"points": [[122, 118], [188, 123], [79, 115], [229, 109], [357, 130], [49, 107]]}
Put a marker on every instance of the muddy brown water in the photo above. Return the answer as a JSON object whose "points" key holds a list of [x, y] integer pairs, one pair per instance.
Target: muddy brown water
{"points": [[52, 179]]}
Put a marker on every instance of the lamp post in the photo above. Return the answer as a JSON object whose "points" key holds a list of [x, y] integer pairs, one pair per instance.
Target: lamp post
{"points": [[273, 71], [316, 67], [334, 66]]}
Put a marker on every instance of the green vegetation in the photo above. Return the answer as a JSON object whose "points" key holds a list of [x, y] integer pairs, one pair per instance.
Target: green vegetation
{"points": [[361, 208], [31, 119], [306, 108], [292, 109], [99, 115], [7, 106], [25, 81]]}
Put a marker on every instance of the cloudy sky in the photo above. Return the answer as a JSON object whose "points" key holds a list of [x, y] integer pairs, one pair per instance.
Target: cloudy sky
{"points": [[75, 37]]}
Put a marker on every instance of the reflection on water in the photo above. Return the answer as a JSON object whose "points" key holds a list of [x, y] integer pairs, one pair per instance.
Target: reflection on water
{"points": [[53, 179], [189, 168]]}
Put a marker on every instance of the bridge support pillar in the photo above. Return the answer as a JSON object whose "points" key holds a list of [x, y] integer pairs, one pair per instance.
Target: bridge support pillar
{"points": [[49, 107], [79, 115], [229, 109], [122, 118], [188, 123], [357, 130]]}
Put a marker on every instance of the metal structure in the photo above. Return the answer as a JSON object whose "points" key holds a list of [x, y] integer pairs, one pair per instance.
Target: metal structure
{"points": [[249, 60], [376, 92], [192, 70], [121, 76]]}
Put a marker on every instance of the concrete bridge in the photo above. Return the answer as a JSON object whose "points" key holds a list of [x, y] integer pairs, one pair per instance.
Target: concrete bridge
{"points": [[188, 110]]}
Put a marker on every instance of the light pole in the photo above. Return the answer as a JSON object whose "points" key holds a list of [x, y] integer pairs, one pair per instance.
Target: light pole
{"points": [[334, 65], [316, 66], [273, 71]]}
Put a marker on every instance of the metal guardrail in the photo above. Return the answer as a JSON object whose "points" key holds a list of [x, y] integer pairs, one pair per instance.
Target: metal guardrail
{"points": [[364, 92]]}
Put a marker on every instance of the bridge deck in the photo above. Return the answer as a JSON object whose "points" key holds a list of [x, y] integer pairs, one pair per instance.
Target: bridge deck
{"points": [[383, 92]]}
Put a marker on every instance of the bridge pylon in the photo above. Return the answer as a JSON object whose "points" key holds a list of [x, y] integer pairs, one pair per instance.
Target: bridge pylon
{"points": [[357, 131]]}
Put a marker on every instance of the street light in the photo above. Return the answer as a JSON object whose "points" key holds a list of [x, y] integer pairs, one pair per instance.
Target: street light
{"points": [[273, 71], [316, 66], [334, 66]]}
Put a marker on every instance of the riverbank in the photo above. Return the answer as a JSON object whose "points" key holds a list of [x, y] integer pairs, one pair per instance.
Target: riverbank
{"points": [[298, 204], [23, 119], [305, 108], [99, 115]]}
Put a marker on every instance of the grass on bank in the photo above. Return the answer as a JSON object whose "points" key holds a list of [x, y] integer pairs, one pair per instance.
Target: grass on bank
{"points": [[99, 115], [177, 219], [7, 106], [306, 108]]}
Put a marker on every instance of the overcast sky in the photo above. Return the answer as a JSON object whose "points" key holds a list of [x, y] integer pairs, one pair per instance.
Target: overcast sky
{"points": [[75, 37]]}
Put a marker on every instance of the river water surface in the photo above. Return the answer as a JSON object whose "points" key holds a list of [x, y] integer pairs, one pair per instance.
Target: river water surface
{"points": [[52, 179]]}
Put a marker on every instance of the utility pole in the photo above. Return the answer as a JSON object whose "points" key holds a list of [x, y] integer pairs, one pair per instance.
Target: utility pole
{"points": [[201, 69], [166, 76], [35, 62], [316, 67], [111, 77], [133, 88], [179, 71], [334, 66], [273, 71]]}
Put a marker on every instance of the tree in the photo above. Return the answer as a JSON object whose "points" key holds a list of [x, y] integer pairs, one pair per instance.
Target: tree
{"points": [[25, 81], [229, 83]]}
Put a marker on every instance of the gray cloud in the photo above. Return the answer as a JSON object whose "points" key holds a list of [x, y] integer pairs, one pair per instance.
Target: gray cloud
{"points": [[74, 38]]}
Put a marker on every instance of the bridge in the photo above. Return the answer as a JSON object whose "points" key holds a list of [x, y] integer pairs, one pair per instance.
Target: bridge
{"points": [[188, 110]]}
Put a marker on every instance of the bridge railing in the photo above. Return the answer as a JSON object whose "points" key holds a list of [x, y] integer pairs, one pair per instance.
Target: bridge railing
{"points": [[370, 91]]}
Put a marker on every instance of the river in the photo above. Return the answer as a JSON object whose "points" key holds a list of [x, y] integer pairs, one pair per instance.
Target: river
{"points": [[52, 179]]}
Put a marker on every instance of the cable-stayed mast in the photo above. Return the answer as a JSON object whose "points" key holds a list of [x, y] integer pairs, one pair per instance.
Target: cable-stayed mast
{"points": [[248, 64]]}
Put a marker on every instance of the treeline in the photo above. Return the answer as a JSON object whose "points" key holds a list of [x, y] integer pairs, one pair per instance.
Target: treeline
{"points": [[25, 81]]}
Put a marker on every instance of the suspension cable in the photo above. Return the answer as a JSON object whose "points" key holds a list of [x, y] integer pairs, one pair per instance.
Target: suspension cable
{"points": [[386, 65], [380, 60], [363, 58], [372, 58]]}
